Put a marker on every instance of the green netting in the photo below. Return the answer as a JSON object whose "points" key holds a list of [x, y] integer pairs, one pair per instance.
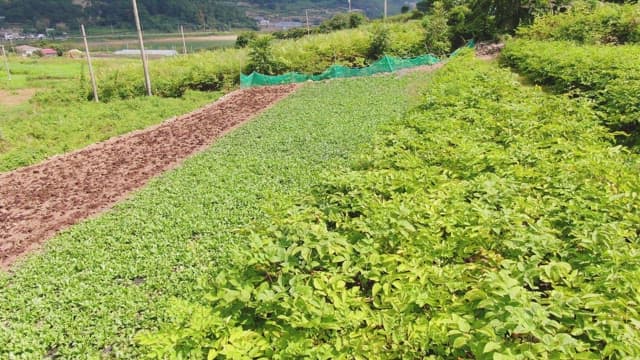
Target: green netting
{"points": [[384, 65]]}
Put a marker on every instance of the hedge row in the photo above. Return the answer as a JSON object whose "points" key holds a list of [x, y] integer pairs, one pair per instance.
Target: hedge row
{"points": [[219, 69]]}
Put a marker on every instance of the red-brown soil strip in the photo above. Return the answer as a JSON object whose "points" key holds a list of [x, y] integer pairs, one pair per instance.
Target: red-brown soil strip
{"points": [[38, 201]]}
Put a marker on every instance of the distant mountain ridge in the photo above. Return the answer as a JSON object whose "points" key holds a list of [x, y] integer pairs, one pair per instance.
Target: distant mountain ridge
{"points": [[167, 14]]}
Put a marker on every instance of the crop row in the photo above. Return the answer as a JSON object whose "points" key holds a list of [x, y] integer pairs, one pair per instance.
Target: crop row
{"points": [[495, 222], [92, 287], [608, 75]]}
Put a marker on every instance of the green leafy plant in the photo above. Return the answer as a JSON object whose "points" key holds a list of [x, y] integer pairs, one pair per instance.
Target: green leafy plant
{"points": [[89, 290], [261, 57], [437, 31], [590, 23], [608, 75], [215, 70], [496, 221], [379, 43], [245, 38]]}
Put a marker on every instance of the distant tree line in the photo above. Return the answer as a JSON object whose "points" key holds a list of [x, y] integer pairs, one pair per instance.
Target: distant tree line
{"points": [[483, 19], [156, 14]]}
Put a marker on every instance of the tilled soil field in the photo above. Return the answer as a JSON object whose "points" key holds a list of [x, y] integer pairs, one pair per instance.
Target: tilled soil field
{"points": [[38, 201]]}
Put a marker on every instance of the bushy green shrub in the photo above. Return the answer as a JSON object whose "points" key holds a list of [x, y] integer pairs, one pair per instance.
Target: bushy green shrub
{"points": [[338, 22], [261, 57], [343, 21], [609, 75], [590, 23], [243, 40], [495, 222], [437, 31], [205, 71], [379, 43]]}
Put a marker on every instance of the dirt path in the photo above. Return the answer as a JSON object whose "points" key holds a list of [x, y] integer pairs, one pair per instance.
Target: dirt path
{"points": [[38, 201], [16, 97]]}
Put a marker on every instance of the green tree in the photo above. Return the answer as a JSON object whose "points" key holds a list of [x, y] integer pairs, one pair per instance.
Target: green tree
{"points": [[379, 43], [261, 57], [245, 38], [423, 6], [437, 39]]}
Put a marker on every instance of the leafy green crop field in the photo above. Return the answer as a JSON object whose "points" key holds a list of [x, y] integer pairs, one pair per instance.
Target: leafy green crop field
{"points": [[497, 221], [95, 286], [608, 75]]}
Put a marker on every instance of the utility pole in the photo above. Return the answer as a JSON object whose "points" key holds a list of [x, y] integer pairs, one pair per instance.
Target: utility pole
{"points": [[6, 62], [308, 28], [385, 9], [91, 73], [349, 5], [184, 43], [143, 54]]}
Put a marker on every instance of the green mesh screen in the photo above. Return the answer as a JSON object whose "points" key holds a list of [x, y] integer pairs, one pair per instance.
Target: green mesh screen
{"points": [[386, 64]]}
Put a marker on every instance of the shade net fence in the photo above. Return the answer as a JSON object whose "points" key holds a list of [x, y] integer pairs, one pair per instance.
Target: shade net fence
{"points": [[384, 65]]}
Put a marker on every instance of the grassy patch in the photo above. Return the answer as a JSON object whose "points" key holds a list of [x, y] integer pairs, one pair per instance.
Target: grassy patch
{"points": [[96, 285], [45, 73], [30, 133]]}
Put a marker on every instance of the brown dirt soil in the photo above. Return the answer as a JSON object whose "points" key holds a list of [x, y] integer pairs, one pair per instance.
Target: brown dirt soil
{"points": [[488, 51], [16, 97], [38, 201]]}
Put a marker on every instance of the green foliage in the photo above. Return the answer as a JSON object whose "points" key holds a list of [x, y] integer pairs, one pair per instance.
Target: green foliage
{"points": [[261, 58], [41, 14], [424, 5], [206, 71], [87, 293], [46, 73], [487, 19], [340, 21], [59, 119], [590, 23], [608, 75], [243, 40], [164, 15], [295, 33], [379, 43], [211, 71], [437, 31], [495, 222], [343, 21]]}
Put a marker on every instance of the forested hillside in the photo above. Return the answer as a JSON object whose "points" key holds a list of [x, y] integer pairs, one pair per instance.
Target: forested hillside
{"points": [[161, 14], [156, 14]]}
